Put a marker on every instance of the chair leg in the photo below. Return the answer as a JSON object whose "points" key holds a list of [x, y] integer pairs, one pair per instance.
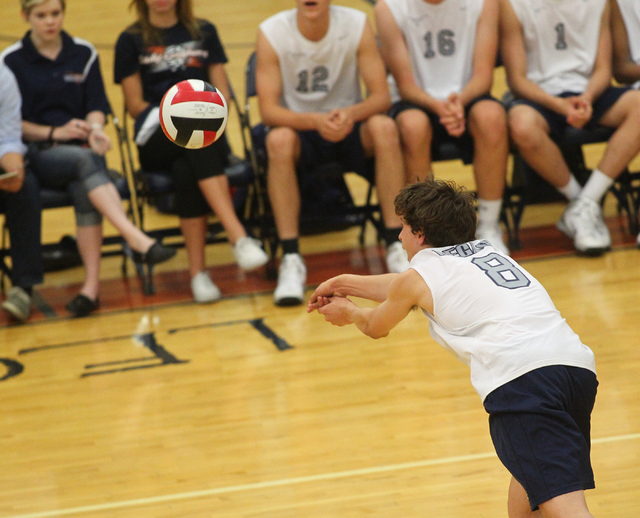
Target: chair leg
{"points": [[628, 197], [144, 271]]}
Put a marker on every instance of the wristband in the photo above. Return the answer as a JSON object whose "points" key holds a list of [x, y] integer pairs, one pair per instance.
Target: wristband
{"points": [[96, 126], [50, 139]]}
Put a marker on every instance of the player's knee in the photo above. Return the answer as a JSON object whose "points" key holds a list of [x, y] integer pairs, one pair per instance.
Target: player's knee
{"points": [[414, 128], [281, 144], [523, 130]]}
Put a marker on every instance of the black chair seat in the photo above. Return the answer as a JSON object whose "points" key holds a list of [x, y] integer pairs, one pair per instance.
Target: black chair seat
{"points": [[453, 149]]}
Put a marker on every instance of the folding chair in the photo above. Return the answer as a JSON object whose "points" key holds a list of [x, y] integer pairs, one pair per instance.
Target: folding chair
{"points": [[156, 188]]}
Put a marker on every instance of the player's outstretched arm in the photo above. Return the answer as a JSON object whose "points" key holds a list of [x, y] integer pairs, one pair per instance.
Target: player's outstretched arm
{"points": [[405, 291], [371, 287]]}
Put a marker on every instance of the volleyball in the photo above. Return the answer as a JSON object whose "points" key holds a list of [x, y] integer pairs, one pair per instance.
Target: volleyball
{"points": [[193, 114]]}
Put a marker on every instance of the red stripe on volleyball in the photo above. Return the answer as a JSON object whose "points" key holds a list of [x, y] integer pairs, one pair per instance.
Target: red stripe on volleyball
{"points": [[164, 129], [191, 95], [209, 137]]}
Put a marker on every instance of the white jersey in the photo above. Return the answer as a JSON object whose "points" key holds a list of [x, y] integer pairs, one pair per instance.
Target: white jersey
{"points": [[630, 10], [561, 41], [494, 316], [318, 76], [441, 40]]}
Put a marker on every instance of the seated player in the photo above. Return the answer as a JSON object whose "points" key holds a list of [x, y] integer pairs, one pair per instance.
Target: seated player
{"points": [[558, 66], [311, 101], [442, 64]]}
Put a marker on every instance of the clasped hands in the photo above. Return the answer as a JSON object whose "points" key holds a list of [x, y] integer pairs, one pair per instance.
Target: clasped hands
{"points": [[333, 306]]}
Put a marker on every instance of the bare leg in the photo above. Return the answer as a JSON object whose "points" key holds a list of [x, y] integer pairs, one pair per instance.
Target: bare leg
{"points": [[89, 246], [518, 504], [380, 138], [106, 200], [569, 505], [530, 132], [624, 144], [283, 148], [194, 231], [218, 196], [488, 127], [415, 135]]}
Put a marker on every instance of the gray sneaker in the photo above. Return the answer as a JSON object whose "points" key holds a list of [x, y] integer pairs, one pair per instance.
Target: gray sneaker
{"points": [[18, 303]]}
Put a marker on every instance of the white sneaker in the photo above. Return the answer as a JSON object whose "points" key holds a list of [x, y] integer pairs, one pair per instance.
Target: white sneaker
{"points": [[18, 303], [203, 288], [249, 253], [638, 240], [291, 278], [493, 234], [582, 221], [397, 258]]}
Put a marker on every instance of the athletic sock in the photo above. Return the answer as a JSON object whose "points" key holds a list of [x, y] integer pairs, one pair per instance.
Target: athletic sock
{"points": [[597, 185], [572, 190], [489, 211], [290, 246]]}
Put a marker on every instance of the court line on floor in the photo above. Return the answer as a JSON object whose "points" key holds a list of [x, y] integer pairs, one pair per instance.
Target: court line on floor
{"points": [[284, 482]]}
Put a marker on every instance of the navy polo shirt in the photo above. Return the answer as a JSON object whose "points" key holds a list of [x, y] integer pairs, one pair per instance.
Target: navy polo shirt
{"points": [[56, 91]]}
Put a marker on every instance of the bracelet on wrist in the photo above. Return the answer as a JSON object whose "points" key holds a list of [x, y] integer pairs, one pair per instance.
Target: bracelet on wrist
{"points": [[96, 126], [50, 139]]}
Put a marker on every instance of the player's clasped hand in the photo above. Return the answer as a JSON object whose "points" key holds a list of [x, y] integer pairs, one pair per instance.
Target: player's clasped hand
{"points": [[334, 309]]}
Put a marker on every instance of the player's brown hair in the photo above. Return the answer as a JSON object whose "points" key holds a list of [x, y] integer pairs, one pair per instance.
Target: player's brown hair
{"points": [[151, 35], [443, 212]]}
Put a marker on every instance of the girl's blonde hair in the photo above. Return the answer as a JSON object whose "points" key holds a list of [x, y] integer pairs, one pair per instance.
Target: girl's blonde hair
{"points": [[27, 5]]}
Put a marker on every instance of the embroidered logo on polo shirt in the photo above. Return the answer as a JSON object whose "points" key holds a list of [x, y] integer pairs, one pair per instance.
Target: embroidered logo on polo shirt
{"points": [[73, 77]]}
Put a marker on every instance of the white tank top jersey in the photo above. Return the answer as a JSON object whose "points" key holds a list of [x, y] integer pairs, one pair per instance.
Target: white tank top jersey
{"points": [[494, 316], [318, 76], [630, 10], [441, 40], [561, 41]]}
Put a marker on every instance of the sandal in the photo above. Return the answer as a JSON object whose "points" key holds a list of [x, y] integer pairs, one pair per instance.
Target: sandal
{"points": [[82, 305]]}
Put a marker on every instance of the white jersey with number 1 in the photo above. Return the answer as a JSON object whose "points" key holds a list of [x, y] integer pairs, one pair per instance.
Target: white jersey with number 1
{"points": [[318, 76], [494, 316], [561, 41]]}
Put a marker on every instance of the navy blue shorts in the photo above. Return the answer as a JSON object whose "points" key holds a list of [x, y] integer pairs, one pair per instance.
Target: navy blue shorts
{"points": [[440, 133], [558, 123], [540, 425], [316, 151]]}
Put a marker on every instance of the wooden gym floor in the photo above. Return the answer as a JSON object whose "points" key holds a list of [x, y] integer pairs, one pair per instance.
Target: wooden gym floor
{"points": [[159, 407]]}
